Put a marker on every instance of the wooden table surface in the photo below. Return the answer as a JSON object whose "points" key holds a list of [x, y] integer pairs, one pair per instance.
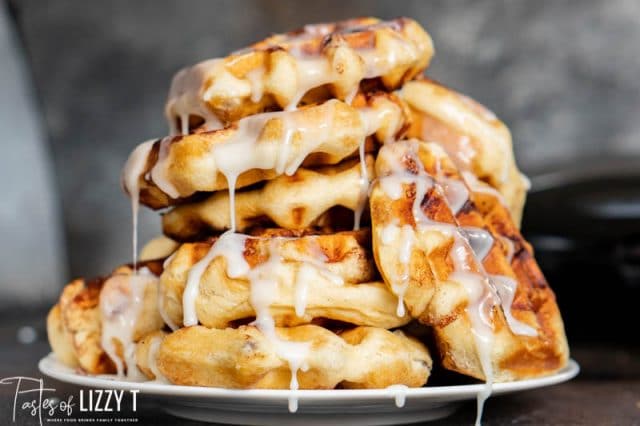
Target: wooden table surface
{"points": [[607, 391]]}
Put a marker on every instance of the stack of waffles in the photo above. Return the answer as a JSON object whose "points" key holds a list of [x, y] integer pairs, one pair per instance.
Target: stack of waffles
{"points": [[332, 219]]}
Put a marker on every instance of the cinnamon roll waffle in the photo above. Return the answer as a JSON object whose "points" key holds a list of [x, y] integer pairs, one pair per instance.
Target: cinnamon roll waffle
{"points": [[332, 276], [246, 359], [260, 286], [475, 139], [261, 147], [459, 263], [96, 323], [298, 201], [309, 65]]}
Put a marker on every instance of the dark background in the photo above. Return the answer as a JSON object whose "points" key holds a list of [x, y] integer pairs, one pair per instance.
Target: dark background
{"points": [[562, 74]]}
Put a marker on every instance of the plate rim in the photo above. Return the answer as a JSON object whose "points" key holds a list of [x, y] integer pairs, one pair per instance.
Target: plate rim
{"points": [[52, 367]]}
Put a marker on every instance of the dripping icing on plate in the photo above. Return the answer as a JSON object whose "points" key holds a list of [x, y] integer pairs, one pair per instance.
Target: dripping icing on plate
{"points": [[121, 300]]}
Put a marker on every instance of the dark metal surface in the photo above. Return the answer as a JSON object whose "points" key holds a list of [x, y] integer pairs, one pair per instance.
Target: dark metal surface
{"points": [[584, 221]]}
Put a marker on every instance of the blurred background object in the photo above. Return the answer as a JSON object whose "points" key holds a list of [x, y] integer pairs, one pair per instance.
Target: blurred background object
{"points": [[562, 75], [32, 256]]}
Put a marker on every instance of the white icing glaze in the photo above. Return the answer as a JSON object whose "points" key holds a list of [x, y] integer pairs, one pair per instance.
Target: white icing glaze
{"points": [[152, 360], [468, 271], [312, 71], [231, 246], [312, 31], [465, 152], [480, 240], [456, 193], [487, 389], [188, 94], [263, 280], [315, 71], [121, 299], [406, 240], [130, 180], [163, 312], [476, 185], [372, 120], [242, 152], [256, 79], [264, 291], [364, 188], [377, 118], [314, 256], [392, 186], [506, 287], [351, 95], [305, 272], [224, 84], [389, 233], [503, 287], [160, 169], [511, 249], [482, 298], [479, 306], [193, 88], [484, 293], [399, 394]]}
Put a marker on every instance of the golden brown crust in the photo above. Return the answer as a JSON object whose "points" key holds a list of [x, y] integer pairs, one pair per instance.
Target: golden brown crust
{"points": [[74, 325], [181, 166], [475, 139], [438, 300], [312, 64], [291, 202], [159, 247], [337, 271], [364, 357], [60, 339], [81, 319], [147, 350]]}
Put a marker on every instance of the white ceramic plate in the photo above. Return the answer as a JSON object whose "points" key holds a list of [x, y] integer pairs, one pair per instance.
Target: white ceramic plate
{"points": [[316, 407]]}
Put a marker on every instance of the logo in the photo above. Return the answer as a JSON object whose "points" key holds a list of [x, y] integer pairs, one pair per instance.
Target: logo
{"points": [[35, 401]]}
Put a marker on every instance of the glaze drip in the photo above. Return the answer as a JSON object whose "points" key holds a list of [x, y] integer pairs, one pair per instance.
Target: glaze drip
{"points": [[130, 181], [470, 247], [121, 300], [264, 281]]}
